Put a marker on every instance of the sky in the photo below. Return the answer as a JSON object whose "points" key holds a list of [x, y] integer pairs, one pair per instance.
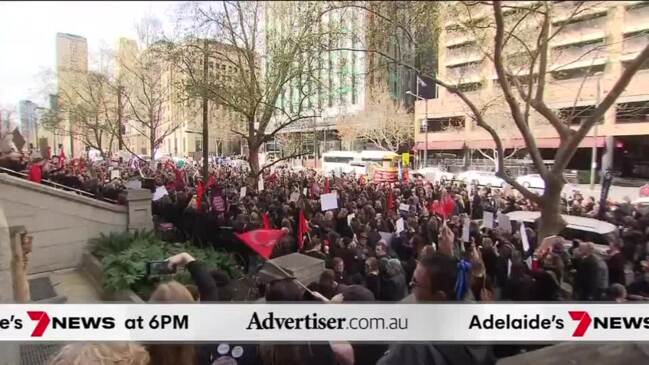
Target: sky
{"points": [[28, 32]]}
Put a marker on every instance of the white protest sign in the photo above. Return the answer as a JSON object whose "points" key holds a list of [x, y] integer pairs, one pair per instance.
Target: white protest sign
{"points": [[304, 191], [260, 184], [465, 229], [242, 192], [159, 193], [504, 223], [509, 267], [524, 239], [400, 226], [295, 196], [488, 219], [404, 207], [328, 201], [349, 218], [115, 174]]}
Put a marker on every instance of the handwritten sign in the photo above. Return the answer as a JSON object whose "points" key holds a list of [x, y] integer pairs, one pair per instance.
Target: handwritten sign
{"points": [[400, 226], [114, 174], [504, 223], [488, 219], [328, 202], [159, 193], [466, 222], [524, 239]]}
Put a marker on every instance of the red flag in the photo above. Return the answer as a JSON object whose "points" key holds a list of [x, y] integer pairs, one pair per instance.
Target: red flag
{"points": [[36, 173], [262, 241], [390, 200], [266, 219], [302, 229], [448, 207], [61, 158], [327, 189], [200, 190]]}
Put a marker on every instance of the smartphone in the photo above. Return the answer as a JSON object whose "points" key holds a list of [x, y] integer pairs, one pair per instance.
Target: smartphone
{"points": [[157, 268]]}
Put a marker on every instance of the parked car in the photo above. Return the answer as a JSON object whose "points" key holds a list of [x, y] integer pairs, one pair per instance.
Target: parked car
{"points": [[531, 181], [434, 174], [486, 178], [586, 229]]}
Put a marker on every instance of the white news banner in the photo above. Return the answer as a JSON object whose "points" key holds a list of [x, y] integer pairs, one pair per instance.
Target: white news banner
{"points": [[238, 322]]}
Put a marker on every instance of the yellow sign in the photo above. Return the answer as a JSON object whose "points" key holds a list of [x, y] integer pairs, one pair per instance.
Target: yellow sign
{"points": [[405, 159]]}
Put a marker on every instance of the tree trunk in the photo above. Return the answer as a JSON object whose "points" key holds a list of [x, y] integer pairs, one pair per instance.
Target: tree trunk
{"points": [[253, 161], [551, 222], [152, 142]]}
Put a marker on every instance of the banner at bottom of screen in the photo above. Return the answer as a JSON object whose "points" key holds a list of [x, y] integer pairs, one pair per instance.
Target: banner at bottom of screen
{"points": [[372, 322]]}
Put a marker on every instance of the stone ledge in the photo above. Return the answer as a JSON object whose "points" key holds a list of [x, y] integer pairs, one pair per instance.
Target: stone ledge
{"points": [[91, 266], [22, 183]]}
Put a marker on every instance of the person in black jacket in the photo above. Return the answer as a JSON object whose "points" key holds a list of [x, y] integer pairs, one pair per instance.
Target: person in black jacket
{"points": [[434, 280], [213, 286], [586, 284]]}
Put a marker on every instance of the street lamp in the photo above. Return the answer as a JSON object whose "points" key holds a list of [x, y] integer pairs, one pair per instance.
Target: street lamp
{"points": [[425, 123]]}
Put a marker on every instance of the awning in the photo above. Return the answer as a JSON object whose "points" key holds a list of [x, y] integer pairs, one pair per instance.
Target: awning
{"points": [[441, 145], [553, 142]]}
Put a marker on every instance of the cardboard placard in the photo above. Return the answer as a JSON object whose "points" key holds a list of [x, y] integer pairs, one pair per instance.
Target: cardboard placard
{"points": [[242, 192], [400, 226], [328, 201], [115, 174], [349, 218], [466, 222], [488, 219], [159, 193], [504, 223], [404, 207], [524, 239]]}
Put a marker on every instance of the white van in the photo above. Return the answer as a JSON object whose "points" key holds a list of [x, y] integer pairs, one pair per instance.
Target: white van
{"points": [[337, 162]]}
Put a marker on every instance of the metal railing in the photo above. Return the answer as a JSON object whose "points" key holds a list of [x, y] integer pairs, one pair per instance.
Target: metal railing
{"points": [[56, 185]]}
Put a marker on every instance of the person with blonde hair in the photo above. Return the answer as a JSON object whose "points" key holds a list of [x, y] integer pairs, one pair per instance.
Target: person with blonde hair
{"points": [[172, 354], [91, 353]]}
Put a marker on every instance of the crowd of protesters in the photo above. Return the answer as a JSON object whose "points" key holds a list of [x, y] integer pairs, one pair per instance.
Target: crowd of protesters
{"points": [[384, 242]]}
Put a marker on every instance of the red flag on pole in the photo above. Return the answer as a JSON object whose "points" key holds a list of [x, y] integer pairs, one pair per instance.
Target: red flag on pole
{"points": [[327, 189], [302, 229], [266, 219], [200, 190], [61, 158], [262, 241], [390, 200]]}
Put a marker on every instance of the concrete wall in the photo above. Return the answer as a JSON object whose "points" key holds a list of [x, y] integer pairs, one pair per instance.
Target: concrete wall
{"points": [[61, 222]]}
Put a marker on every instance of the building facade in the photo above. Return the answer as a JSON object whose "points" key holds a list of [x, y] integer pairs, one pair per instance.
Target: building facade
{"points": [[28, 121], [587, 56], [71, 68], [341, 74]]}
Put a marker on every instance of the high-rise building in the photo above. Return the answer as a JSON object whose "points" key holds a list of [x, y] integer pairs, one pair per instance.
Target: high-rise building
{"points": [[340, 89], [28, 120], [71, 68], [587, 56]]}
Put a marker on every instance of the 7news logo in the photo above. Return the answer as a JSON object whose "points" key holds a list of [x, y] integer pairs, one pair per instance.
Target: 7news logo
{"points": [[606, 323], [43, 321]]}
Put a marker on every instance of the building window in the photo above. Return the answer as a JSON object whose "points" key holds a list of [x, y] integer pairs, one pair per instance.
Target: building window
{"points": [[576, 115], [632, 112], [577, 72], [442, 124]]}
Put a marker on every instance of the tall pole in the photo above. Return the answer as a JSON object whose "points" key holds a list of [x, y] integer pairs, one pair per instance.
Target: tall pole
{"points": [[593, 160], [426, 149], [120, 137], [205, 115]]}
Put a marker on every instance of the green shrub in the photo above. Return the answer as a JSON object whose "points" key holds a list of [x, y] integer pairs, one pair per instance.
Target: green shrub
{"points": [[123, 258]]}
